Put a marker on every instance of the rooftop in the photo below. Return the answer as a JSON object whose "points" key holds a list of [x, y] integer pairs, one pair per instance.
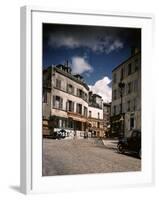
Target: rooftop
{"points": [[138, 53], [66, 71]]}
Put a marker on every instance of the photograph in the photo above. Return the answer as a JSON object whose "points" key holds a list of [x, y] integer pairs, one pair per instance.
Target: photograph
{"points": [[91, 99]]}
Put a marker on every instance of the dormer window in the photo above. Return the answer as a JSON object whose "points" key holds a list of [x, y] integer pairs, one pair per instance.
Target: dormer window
{"points": [[58, 83], [70, 89]]}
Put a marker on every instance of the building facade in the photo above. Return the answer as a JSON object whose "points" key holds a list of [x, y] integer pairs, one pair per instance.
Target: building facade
{"points": [[67, 103], [126, 95], [106, 119], [95, 115]]}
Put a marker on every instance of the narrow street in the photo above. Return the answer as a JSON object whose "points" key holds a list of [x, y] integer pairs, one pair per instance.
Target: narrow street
{"points": [[64, 157]]}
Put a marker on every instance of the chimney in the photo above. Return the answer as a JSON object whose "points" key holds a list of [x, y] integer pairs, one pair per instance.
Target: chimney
{"points": [[134, 50]]}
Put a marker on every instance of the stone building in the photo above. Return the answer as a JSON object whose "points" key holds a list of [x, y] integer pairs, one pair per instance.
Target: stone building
{"points": [[95, 115], [67, 99], [126, 95], [46, 99], [106, 119], [67, 104]]}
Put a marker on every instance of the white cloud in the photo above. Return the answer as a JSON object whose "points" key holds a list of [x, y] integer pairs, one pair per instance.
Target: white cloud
{"points": [[60, 40], [117, 44], [80, 65], [101, 42], [102, 88]]}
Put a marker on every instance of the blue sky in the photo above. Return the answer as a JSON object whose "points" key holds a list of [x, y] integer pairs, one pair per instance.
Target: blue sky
{"points": [[91, 51]]}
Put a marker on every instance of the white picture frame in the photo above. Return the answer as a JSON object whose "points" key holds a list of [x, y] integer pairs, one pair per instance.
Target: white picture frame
{"points": [[31, 98]]}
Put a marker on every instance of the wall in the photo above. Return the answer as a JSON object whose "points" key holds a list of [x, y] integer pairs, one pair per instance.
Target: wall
{"points": [[10, 98], [66, 96], [135, 94], [94, 121], [95, 112]]}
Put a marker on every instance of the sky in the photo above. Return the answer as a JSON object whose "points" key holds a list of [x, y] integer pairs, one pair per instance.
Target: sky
{"points": [[91, 51]]}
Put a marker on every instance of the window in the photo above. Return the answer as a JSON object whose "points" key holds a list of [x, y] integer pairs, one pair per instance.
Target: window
{"points": [[60, 123], [121, 74], [58, 83], [82, 94], [45, 97], [64, 123], [70, 106], [90, 114], [79, 108], [129, 87], [98, 115], [132, 123], [79, 93], [115, 96], [57, 102], [85, 111], [85, 96], [70, 89], [135, 85], [79, 125], [129, 69], [98, 124], [70, 123], [114, 78], [128, 106], [114, 110]]}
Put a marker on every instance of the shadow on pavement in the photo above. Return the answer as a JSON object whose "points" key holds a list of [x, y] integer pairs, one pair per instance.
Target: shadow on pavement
{"points": [[15, 188], [134, 155]]}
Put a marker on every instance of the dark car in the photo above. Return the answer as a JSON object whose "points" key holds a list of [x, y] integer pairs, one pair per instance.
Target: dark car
{"points": [[62, 133], [132, 143], [58, 134]]}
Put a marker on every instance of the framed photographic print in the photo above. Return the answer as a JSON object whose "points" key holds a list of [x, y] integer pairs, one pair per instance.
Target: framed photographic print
{"points": [[86, 118]]}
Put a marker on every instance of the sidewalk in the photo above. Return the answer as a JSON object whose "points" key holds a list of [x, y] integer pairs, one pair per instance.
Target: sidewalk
{"points": [[110, 143]]}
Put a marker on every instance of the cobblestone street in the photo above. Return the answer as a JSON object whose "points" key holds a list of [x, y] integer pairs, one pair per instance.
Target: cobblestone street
{"points": [[63, 157]]}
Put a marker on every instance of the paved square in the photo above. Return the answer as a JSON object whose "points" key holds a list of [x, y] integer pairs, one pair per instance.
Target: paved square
{"points": [[84, 156]]}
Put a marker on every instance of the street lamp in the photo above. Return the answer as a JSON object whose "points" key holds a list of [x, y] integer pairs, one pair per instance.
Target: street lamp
{"points": [[121, 86]]}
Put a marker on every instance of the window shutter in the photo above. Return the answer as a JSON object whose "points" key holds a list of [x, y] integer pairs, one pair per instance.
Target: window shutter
{"points": [[61, 103], [77, 105], [72, 107], [54, 101]]}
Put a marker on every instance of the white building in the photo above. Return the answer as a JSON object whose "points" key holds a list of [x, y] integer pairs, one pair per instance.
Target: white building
{"points": [[95, 115], [106, 119], [126, 100], [67, 103]]}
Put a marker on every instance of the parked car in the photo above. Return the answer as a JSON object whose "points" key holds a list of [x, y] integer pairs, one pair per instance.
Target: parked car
{"points": [[58, 134], [131, 144], [62, 133]]}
